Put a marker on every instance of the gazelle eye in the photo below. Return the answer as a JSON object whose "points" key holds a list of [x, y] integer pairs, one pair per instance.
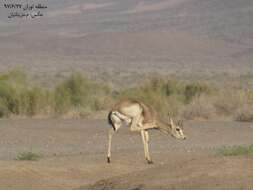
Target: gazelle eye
{"points": [[177, 129]]}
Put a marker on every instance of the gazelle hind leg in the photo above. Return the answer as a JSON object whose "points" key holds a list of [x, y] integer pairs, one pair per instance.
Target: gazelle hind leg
{"points": [[111, 132], [116, 125]]}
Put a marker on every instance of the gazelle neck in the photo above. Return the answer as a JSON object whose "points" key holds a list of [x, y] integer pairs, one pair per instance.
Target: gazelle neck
{"points": [[164, 127]]}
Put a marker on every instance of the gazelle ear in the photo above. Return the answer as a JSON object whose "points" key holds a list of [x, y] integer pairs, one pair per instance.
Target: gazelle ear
{"points": [[169, 118], [180, 122], [171, 121]]}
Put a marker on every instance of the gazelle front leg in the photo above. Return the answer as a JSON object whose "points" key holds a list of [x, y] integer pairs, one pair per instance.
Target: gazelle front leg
{"points": [[144, 143], [147, 147], [145, 139], [146, 126], [135, 123]]}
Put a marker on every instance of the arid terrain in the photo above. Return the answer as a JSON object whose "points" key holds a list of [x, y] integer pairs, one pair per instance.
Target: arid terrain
{"points": [[117, 45], [74, 157]]}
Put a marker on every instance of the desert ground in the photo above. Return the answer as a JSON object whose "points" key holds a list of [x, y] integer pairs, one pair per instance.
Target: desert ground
{"points": [[73, 156], [121, 43]]}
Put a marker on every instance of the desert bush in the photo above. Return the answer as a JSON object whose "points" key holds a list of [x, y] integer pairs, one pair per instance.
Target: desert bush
{"points": [[78, 93], [195, 89], [227, 102], [12, 85], [236, 103], [244, 111], [39, 100], [244, 114], [28, 156], [19, 98], [71, 92], [77, 96], [8, 97], [201, 107], [62, 99], [4, 111], [236, 150]]}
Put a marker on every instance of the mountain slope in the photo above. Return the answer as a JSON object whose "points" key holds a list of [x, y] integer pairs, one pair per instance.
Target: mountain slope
{"points": [[145, 34]]}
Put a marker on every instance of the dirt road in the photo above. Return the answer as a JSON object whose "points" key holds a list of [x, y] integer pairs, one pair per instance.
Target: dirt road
{"points": [[74, 153]]}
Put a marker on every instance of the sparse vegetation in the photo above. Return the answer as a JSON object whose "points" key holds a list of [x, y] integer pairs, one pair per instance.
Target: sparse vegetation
{"points": [[245, 113], [77, 96], [236, 150], [20, 98], [29, 156]]}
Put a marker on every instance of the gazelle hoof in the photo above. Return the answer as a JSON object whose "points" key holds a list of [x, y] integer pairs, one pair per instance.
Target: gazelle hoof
{"points": [[150, 162], [108, 160]]}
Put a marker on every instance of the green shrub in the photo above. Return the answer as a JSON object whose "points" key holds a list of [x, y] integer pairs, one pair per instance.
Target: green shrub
{"points": [[236, 150], [78, 92], [29, 156], [17, 97], [12, 85], [8, 97], [71, 93], [62, 99], [38, 100], [195, 89], [4, 111]]}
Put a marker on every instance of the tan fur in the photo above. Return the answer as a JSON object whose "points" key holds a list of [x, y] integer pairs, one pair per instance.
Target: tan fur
{"points": [[147, 111]]}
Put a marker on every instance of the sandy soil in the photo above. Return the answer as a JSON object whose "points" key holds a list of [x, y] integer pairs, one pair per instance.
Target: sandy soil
{"points": [[74, 153]]}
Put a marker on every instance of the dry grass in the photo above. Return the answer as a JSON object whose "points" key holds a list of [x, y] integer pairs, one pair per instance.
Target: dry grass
{"points": [[76, 96], [200, 108]]}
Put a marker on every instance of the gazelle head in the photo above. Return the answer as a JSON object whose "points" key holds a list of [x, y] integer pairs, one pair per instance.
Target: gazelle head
{"points": [[173, 129], [177, 129]]}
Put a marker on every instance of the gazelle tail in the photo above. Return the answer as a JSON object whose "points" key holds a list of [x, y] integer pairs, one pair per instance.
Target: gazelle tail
{"points": [[110, 120]]}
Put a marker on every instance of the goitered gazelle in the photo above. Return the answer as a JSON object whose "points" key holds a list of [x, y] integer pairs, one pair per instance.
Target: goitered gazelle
{"points": [[140, 117]]}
